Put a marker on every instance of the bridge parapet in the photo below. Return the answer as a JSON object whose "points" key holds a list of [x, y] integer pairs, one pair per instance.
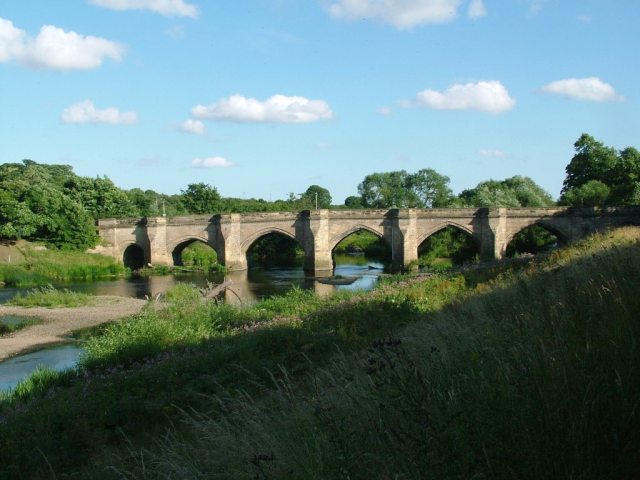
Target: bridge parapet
{"points": [[318, 231]]}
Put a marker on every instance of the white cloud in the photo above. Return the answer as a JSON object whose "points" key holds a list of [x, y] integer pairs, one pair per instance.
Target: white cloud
{"points": [[276, 109], [322, 146], [192, 126], [476, 9], [11, 40], [211, 162], [385, 111], [584, 18], [402, 14], [168, 8], [55, 48], [492, 153], [85, 112], [487, 96], [590, 88]]}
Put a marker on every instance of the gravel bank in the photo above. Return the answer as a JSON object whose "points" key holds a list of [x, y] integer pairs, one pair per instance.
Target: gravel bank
{"points": [[60, 322]]}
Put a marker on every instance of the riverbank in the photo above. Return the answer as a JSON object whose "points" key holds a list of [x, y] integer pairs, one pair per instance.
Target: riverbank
{"points": [[505, 373], [58, 323]]}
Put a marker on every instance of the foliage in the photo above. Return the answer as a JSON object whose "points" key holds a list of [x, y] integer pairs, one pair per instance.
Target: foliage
{"points": [[533, 240], [201, 198], [353, 201], [364, 242], [449, 243], [51, 297], [34, 205], [512, 192], [200, 256], [101, 198], [308, 198], [589, 194], [424, 189], [17, 323], [41, 267], [596, 166], [275, 249]]}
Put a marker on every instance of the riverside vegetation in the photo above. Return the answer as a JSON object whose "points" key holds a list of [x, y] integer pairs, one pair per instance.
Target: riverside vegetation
{"points": [[526, 369]]}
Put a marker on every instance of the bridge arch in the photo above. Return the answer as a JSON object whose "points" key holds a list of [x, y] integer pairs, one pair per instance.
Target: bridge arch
{"points": [[248, 242], [447, 243], [133, 255], [333, 242], [553, 229], [176, 247], [442, 226]]}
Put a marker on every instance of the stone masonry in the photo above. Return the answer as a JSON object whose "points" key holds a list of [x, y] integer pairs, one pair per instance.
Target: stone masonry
{"points": [[319, 231]]}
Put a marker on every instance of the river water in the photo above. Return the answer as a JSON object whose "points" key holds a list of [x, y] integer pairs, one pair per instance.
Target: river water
{"points": [[246, 287]]}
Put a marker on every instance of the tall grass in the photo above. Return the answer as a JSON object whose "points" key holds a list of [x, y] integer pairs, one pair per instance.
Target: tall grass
{"points": [[528, 376], [46, 266], [51, 297], [535, 379]]}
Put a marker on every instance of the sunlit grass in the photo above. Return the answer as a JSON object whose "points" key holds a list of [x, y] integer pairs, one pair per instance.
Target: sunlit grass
{"points": [[51, 297]]}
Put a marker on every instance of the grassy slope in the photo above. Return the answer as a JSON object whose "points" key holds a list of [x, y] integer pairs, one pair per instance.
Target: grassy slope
{"points": [[31, 267], [529, 377]]}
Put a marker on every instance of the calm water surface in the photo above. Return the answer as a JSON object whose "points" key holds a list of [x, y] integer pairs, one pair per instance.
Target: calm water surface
{"points": [[58, 358]]}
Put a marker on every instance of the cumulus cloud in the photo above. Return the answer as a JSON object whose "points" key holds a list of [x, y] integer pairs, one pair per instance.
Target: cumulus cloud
{"points": [[591, 88], [276, 109], [476, 9], [492, 153], [85, 112], [402, 14], [55, 48], [211, 162], [11, 40], [168, 8], [487, 96], [195, 127]]}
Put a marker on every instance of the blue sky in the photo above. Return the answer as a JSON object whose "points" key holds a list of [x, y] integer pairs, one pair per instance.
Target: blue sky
{"points": [[264, 97]]}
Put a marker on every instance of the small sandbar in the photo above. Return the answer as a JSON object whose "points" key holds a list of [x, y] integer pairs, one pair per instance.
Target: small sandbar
{"points": [[57, 323]]}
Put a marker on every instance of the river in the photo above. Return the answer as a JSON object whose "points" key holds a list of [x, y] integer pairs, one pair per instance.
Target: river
{"points": [[246, 287]]}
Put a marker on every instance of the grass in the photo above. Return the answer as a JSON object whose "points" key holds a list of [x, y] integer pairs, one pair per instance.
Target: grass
{"points": [[51, 297], [522, 374], [18, 324], [42, 267]]}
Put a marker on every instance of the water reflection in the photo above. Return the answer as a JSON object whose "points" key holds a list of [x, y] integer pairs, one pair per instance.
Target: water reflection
{"points": [[57, 358], [246, 286]]}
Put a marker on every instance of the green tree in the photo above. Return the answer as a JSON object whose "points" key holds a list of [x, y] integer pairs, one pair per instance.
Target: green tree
{"points": [[431, 189], [424, 189], [201, 198], [595, 162], [101, 198], [512, 192], [34, 205], [589, 194], [592, 161], [313, 193], [353, 201]]}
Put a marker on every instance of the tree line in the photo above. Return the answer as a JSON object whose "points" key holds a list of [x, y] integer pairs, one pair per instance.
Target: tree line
{"points": [[50, 203]]}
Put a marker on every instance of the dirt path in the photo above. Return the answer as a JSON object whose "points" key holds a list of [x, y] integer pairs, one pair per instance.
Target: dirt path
{"points": [[58, 322]]}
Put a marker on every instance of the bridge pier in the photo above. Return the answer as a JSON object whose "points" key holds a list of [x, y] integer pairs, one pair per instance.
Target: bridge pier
{"points": [[156, 228], [231, 254], [317, 254], [404, 238]]}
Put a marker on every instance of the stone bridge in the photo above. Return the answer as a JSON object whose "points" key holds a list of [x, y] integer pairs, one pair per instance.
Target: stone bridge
{"points": [[159, 240]]}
